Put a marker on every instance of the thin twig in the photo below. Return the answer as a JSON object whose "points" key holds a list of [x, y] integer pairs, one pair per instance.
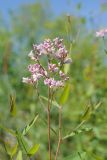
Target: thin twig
{"points": [[60, 134], [49, 128]]}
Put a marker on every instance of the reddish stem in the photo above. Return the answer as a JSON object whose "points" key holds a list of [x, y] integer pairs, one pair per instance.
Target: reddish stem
{"points": [[60, 135], [49, 138]]}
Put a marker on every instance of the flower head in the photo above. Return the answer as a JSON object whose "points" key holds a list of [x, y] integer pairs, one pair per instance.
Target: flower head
{"points": [[51, 82], [55, 51], [101, 33], [27, 80], [52, 67]]}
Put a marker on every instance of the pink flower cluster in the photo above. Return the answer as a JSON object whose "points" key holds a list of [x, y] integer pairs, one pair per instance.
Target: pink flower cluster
{"points": [[51, 82], [101, 33], [55, 51]]}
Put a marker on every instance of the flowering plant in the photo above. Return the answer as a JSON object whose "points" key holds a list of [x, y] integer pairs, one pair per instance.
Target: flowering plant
{"points": [[53, 76]]}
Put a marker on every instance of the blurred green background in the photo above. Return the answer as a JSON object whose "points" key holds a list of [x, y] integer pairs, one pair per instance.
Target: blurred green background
{"points": [[29, 23]]}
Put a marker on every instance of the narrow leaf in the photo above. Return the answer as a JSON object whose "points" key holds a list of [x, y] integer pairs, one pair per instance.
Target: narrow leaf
{"points": [[12, 105], [8, 130], [65, 94], [87, 113], [77, 132], [28, 127], [98, 105], [33, 150], [11, 150], [19, 156], [21, 141], [76, 156], [14, 150], [54, 103], [52, 129]]}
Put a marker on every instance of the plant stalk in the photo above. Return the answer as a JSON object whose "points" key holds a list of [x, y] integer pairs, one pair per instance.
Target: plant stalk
{"points": [[60, 134], [49, 128]]}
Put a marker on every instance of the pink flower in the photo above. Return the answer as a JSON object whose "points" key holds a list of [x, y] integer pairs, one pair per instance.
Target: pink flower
{"points": [[52, 67], [27, 80], [101, 33], [59, 84], [63, 76], [34, 68], [43, 72], [50, 82], [39, 49], [58, 42], [44, 48], [36, 77], [31, 55], [61, 53], [53, 83]]}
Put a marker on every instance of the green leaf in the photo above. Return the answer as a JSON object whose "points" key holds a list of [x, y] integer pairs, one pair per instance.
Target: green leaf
{"points": [[90, 90], [14, 150], [11, 150], [66, 68], [97, 105], [12, 105], [77, 156], [73, 133], [46, 123], [21, 141], [54, 103], [8, 130], [19, 156], [87, 113], [65, 94], [33, 150], [28, 126]]}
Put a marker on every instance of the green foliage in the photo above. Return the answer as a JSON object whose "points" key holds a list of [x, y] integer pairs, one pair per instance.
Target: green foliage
{"points": [[54, 103], [65, 94], [76, 132], [27, 128], [19, 156], [84, 128], [11, 151], [12, 105], [78, 156], [33, 150]]}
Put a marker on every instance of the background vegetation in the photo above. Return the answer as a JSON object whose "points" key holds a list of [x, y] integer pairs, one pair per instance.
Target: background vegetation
{"points": [[88, 84]]}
